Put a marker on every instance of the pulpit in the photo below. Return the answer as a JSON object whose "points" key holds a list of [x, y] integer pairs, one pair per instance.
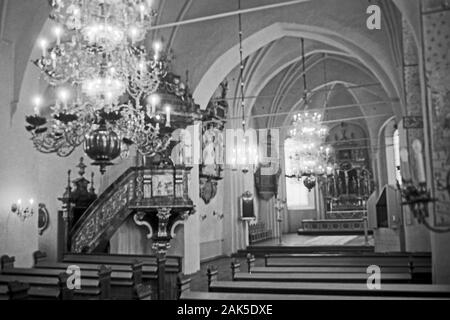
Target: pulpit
{"points": [[161, 202]]}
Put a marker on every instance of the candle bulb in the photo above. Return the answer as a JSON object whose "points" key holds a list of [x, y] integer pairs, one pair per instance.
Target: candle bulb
{"points": [[63, 96], [37, 102], [142, 9], [43, 45], [157, 46], [153, 100], [167, 116], [58, 31]]}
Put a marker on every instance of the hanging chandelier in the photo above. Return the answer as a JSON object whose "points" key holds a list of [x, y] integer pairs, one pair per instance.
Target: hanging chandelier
{"points": [[106, 83], [245, 153], [308, 154]]}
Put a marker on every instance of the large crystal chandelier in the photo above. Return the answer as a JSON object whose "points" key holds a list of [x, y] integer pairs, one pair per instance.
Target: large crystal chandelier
{"points": [[308, 153], [308, 156], [104, 80]]}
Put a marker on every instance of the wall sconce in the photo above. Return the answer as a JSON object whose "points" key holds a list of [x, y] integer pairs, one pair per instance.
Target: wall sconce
{"points": [[418, 197], [22, 211]]}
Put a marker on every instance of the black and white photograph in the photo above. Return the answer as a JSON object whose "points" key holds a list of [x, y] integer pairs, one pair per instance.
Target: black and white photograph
{"points": [[224, 155]]}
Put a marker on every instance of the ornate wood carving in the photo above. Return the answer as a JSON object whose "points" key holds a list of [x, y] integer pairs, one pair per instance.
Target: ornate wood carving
{"points": [[43, 219], [158, 197], [348, 188], [266, 185], [208, 189], [413, 122], [213, 148]]}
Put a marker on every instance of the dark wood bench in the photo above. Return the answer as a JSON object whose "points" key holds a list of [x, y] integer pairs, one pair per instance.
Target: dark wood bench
{"points": [[417, 274], [293, 260], [14, 291], [223, 296], [321, 277], [94, 284], [124, 278], [419, 265], [326, 289], [345, 289], [172, 268], [172, 263], [341, 277], [41, 288], [236, 290]]}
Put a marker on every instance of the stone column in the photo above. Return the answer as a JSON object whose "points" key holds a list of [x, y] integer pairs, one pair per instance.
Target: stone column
{"points": [[435, 18], [413, 98], [417, 237]]}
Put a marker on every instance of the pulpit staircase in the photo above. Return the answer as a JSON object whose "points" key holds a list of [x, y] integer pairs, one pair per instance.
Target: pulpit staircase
{"points": [[133, 193]]}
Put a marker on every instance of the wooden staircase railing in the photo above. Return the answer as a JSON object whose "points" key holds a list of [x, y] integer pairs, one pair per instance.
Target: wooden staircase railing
{"points": [[93, 230], [134, 192]]}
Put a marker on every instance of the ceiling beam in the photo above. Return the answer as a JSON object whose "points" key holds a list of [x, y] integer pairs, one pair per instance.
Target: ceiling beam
{"points": [[228, 14]]}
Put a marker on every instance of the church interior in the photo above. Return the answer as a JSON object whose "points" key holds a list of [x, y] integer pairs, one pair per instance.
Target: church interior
{"points": [[224, 150]]}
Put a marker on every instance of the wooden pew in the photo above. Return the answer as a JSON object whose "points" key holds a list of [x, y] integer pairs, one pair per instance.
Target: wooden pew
{"points": [[41, 288], [14, 291], [124, 278], [315, 276], [419, 265], [223, 296], [172, 267], [94, 284], [184, 293], [345, 289], [320, 288], [143, 292], [321, 277], [173, 263], [294, 260]]}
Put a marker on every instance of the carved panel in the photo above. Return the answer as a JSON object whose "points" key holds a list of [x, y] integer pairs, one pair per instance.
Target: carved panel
{"points": [[101, 219]]}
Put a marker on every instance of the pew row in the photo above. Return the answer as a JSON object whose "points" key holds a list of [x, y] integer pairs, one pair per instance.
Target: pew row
{"points": [[172, 263], [353, 277], [123, 282], [14, 291], [54, 284], [151, 267], [419, 271], [41, 288], [338, 260], [187, 295], [418, 291]]}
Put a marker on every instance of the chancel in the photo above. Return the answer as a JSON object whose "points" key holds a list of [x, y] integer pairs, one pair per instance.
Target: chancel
{"points": [[224, 150]]}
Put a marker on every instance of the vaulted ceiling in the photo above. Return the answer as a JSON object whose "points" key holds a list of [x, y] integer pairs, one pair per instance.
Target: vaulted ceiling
{"points": [[347, 64]]}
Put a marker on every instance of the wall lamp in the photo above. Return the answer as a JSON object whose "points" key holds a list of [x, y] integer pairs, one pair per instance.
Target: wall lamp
{"points": [[23, 211], [418, 197]]}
